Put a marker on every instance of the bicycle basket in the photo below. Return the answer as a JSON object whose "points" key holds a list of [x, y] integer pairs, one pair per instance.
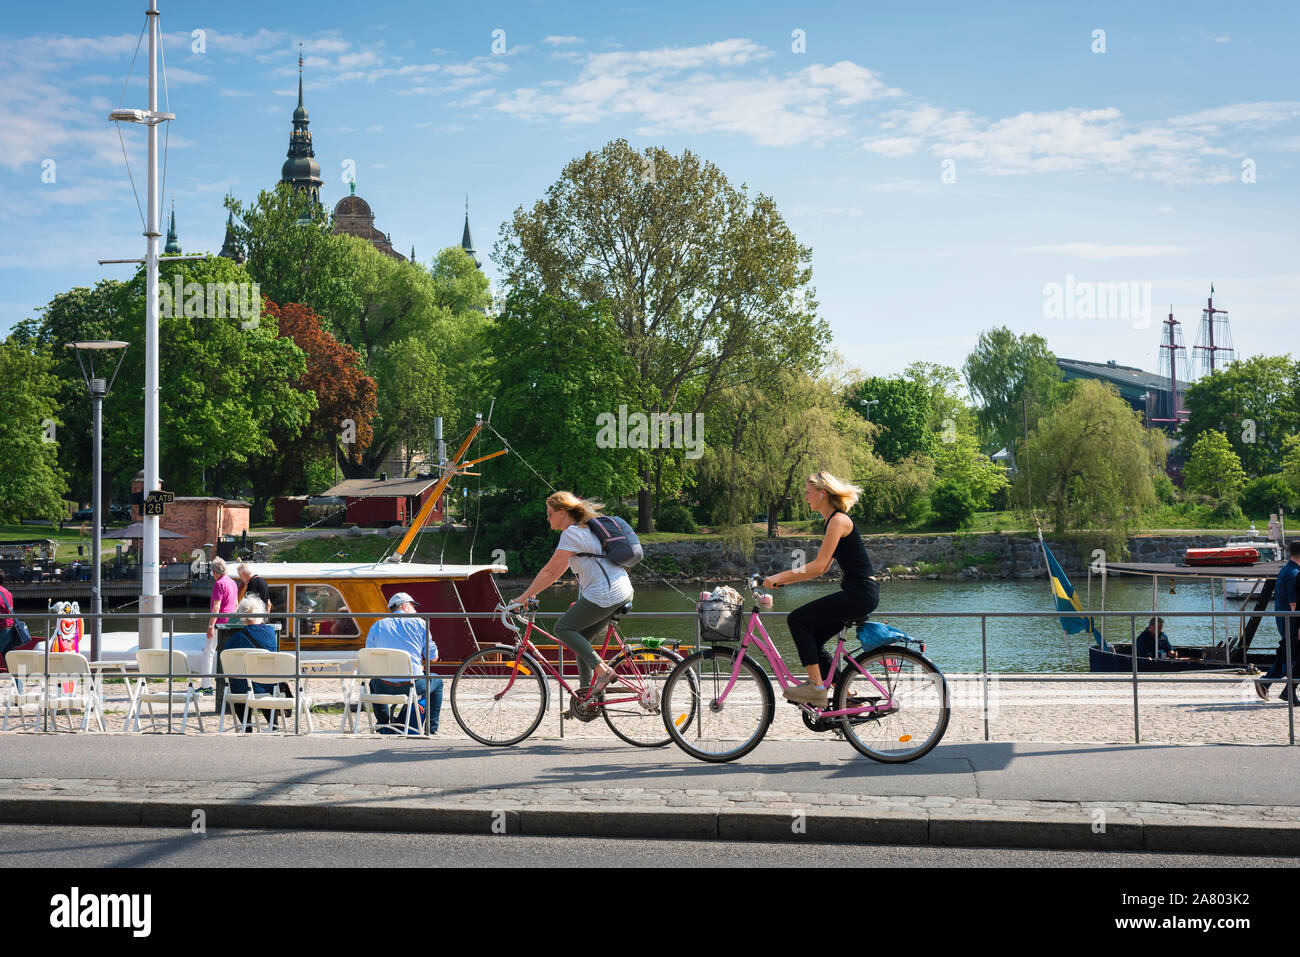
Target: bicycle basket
{"points": [[876, 634], [720, 616]]}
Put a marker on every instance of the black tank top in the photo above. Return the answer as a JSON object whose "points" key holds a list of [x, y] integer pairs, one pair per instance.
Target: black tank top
{"points": [[852, 556]]}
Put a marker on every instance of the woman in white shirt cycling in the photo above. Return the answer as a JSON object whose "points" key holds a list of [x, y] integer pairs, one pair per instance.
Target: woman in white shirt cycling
{"points": [[603, 587]]}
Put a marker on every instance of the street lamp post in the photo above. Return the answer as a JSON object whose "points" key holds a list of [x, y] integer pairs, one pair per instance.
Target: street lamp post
{"points": [[98, 389]]}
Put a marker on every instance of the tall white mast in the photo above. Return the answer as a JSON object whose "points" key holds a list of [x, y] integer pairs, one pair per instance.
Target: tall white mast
{"points": [[150, 594]]}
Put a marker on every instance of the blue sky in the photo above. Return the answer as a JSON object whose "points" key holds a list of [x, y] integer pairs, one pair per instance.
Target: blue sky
{"points": [[1122, 166]]}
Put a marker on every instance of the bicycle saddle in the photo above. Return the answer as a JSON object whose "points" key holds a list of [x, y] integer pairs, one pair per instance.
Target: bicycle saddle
{"points": [[623, 611]]}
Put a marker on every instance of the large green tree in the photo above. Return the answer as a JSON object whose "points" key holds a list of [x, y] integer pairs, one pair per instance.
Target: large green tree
{"points": [[422, 334], [1092, 463], [1014, 380], [31, 483], [559, 366], [1213, 467], [80, 314], [292, 254], [224, 383], [902, 409], [707, 285], [1255, 403], [771, 438]]}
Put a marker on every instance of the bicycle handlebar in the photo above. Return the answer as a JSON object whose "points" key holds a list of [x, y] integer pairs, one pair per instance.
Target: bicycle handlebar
{"points": [[512, 608]]}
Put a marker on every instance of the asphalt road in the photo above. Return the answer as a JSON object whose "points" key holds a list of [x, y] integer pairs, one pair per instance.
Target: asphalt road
{"points": [[99, 847]]}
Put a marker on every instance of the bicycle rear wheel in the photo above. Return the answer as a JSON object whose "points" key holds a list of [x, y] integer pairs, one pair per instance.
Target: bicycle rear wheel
{"points": [[919, 694], [642, 672], [705, 728], [485, 709]]}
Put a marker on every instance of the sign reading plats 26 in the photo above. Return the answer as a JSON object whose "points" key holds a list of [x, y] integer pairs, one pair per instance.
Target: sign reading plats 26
{"points": [[155, 502]]}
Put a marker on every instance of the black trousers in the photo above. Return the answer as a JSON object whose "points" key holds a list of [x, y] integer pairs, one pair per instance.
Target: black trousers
{"points": [[814, 624]]}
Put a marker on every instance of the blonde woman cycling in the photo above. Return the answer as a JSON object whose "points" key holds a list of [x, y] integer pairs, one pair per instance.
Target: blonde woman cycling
{"points": [[815, 623], [603, 587]]}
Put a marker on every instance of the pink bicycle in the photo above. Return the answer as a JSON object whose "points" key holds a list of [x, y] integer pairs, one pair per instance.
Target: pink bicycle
{"points": [[499, 694], [890, 702]]}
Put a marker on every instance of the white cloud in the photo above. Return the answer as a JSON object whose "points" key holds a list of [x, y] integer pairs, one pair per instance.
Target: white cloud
{"points": [[557, 41], [1180, 150], [1250, 116], [1102, 251], [703, 89]]}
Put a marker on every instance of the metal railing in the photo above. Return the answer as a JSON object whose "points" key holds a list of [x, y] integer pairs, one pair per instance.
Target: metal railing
{"points": [[1135, 677]]}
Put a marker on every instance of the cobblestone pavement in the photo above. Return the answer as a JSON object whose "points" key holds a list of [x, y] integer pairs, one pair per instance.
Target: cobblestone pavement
{"points": [[1220, 709], [201, 793]]}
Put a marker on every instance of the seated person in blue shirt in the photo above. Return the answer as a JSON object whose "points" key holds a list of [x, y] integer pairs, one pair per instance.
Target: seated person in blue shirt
{"points": [[412, 636], [256, 634], [1147, 641]]}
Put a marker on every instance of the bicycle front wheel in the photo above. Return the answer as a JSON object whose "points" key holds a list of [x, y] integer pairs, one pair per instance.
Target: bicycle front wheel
{"points": [[642, 674], [496, 699], [701, 721], [915, 700]]}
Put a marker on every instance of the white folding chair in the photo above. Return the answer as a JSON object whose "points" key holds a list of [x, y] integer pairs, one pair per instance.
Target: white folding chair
{"points": [[152, 663], [270, 667], [381, 663], [232, 666], [27, 684], [70, 668]]}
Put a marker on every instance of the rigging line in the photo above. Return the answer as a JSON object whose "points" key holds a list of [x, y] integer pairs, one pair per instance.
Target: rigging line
{"points": [[511, 448], [167, 107], [478, 494], [121, 100], [131, 176], [131, 68]]}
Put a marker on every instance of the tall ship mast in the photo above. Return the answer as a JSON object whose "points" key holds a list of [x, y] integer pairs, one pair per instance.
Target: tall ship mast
{"points": [[1173, 362], [1214, 340]]}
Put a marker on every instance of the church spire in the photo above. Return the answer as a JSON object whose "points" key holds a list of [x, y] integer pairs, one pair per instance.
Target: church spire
{"points": [[230, 246], [467, 241], [300, 170], [173, 247]]}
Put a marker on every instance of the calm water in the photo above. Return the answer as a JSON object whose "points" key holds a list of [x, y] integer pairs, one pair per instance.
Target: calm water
{"points": [[1014, 644]]}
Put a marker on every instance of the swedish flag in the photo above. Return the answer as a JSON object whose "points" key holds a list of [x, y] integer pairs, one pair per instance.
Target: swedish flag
{"points": [[1066, 600]]}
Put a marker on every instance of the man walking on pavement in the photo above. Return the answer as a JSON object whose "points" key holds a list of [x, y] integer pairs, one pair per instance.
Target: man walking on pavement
{"points": [[1284, 599]]}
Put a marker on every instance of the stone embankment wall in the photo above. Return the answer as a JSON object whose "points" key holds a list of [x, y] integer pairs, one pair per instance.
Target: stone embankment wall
{"points": [[924, 556]]}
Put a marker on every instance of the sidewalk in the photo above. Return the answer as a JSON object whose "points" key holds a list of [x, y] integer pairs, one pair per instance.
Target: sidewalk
{"points": [[1226, 798]]}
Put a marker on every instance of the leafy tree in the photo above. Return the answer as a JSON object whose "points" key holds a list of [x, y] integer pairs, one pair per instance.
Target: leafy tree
{"points": [[291, 253], [1254, 403], [558, 366], [902, 410], [1266, 494], [953, 503], [773, 438], [80, 314], [1291, 461], [31, 483], [707, 285], [895, 492], [1015, 380], [1092, 463], [423, 334], [345, 407], [1213, 467], [961, 464], [224, 388], [416, 393], [943, 385]]}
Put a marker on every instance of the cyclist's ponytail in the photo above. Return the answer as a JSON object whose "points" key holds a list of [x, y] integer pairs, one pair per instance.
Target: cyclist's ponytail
{"points": [[582, 510], [842, 495]]}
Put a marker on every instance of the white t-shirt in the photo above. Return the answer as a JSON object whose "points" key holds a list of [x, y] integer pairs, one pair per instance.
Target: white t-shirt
{"points": [[591, 581]]}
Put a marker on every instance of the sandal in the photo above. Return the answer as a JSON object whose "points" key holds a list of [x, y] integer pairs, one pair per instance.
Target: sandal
{"points": [[601, 683]]}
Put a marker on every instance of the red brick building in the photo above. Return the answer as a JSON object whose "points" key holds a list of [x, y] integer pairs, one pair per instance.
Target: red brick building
{"points": [[200, 519]]}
